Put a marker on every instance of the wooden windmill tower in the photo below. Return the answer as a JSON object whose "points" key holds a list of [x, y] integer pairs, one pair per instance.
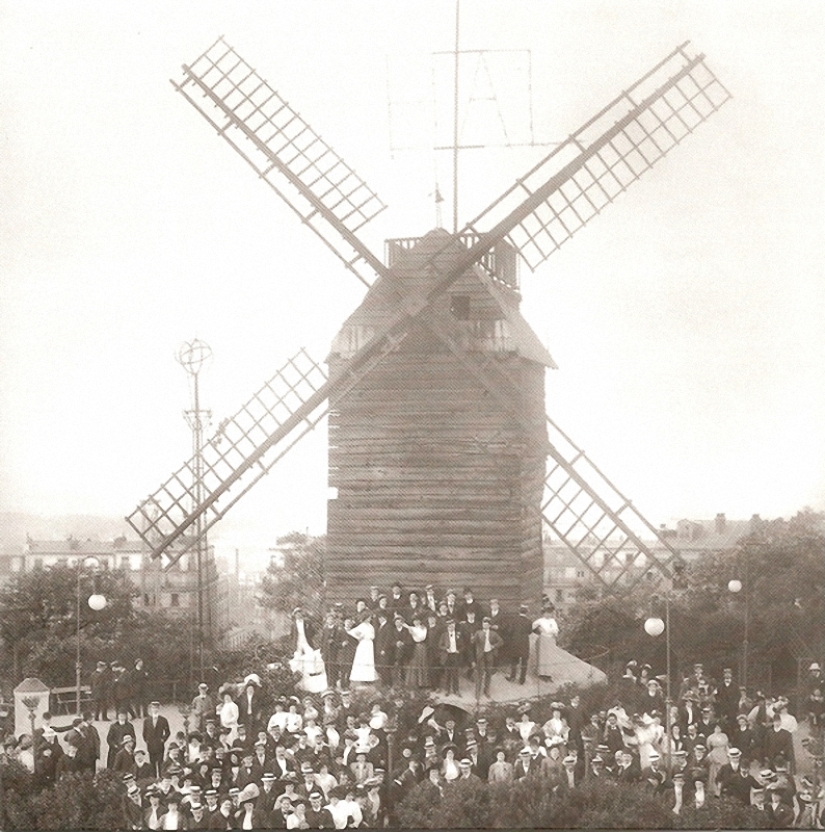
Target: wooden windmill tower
{"points": [[445, 464]]}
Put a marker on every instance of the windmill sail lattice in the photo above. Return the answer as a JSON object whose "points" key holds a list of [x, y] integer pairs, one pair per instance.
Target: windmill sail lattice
{"points": [[585, 173], [242, 450], [595, 520], [285, 152]]}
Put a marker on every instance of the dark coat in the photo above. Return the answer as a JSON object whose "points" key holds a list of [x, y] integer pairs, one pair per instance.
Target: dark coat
{"points": [[520, 628], [384, 645], [479, 640], [402, 646], [114, 739], [155, 736]]}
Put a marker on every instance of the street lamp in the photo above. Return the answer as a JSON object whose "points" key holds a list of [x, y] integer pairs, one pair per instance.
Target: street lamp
{"points": [[654, 626], [96, 602], [736, 586]]}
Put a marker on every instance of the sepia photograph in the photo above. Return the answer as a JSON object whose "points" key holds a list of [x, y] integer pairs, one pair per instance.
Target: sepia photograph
{"points": [[412, 414]]}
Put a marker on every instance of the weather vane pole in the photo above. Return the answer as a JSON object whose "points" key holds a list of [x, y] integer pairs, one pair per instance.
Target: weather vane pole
{"points": [[455, 123]]}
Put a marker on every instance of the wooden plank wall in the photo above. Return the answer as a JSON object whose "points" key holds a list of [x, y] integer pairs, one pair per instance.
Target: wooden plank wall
{"points": [[432, 480]]}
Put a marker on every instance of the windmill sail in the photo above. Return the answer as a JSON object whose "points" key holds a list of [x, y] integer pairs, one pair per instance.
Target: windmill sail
{"points": [[601, 159], [595, 520], [242, 450], [285, 152]]}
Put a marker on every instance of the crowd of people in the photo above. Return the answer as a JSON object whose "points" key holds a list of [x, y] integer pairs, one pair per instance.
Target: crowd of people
{"points": [[348, 755]]}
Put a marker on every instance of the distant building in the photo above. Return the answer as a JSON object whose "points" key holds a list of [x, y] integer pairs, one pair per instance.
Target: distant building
{"points": [[564, 573], [174, 590], [238, 614]]}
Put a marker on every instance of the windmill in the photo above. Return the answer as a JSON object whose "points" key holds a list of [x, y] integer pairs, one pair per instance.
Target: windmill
{"points": [[445, 463]]}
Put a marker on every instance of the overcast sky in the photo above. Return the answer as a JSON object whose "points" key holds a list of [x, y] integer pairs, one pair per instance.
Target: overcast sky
{"points": [[687, 321]]}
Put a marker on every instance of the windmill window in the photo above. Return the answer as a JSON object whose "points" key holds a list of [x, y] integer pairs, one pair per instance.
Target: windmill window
{"points": [[460, 307]]}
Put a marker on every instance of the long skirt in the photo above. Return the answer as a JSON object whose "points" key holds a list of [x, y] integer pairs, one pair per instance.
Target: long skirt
{"points": [[417, 672]]}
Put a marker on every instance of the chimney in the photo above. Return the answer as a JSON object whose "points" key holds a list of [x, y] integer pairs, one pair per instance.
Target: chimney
{"points": [[720, 523]]}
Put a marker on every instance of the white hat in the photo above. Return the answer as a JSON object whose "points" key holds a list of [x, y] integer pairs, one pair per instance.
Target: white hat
{"points": [[815, 666]]}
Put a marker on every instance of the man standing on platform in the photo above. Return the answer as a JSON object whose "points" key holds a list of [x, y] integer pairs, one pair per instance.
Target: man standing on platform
{"points": [[520, 645], [486, 643], [155, 733], [450, 647]]}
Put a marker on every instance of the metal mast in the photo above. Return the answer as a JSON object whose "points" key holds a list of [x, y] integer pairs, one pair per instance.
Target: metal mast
{"points": [[193, 356]]}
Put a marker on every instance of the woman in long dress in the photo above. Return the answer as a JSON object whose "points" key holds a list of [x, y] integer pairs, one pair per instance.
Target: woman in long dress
{"points": [[363, 663], [307, 660], [417, 672], [717, 743], [547, 630]]}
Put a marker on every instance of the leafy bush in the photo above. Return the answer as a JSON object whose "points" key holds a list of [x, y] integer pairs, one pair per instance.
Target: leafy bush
{"points": [[724, 813], [420, 809], [76, 801]]}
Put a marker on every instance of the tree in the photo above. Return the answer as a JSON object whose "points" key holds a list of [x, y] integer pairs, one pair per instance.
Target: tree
{"points": [[38, 619], [38, 628], [298, 581], [785, 563]]}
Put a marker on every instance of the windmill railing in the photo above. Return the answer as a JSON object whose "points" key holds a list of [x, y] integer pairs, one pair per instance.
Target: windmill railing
{"points": [[500, 262]]}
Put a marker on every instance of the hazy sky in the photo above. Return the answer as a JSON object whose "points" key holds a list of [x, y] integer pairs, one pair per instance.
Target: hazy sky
{"points": [[686, 321]]}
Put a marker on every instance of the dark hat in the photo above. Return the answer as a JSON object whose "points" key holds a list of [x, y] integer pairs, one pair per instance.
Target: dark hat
{"points": [[486, 620]]}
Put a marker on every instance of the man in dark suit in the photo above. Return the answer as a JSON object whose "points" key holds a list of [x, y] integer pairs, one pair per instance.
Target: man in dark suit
{"points": [[525, 765], [520, 645], [498, 623], [402, 649], [450, 646], [688, 712], [486, 643], [735, 779], [250, 709], [122, 689], [155, 733], [383, 646], [100, 684], [329, 641], [727, 700]]}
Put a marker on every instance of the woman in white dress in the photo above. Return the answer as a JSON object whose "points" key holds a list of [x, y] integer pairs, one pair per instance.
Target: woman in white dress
{"points": [[228, 714], [363, 664], [547, 630], [307, 660]]}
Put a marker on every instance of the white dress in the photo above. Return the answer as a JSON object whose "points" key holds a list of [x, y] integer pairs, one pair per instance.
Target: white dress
{"points": [[547, 630], [308, 663], [363, 663]]}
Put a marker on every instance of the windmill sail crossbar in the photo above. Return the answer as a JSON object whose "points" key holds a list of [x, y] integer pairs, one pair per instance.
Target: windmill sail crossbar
{"points": [[283, 150], [595, 520], [585, 173], [237, 447]]}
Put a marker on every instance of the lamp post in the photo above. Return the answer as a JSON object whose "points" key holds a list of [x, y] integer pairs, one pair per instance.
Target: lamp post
{"points": [[736, 586], [390, 729], [96, 602], [654, 626]]}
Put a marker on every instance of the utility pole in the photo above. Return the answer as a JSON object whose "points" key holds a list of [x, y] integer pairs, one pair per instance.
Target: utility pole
{"points": [[193, 356]]}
